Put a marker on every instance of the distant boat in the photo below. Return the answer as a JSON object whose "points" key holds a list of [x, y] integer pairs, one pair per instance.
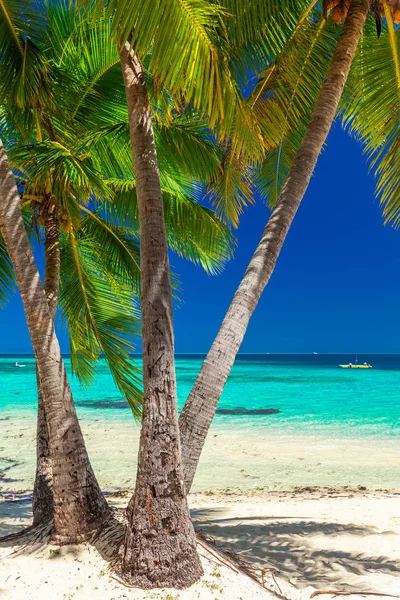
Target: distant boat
{"points": [[18, 365], [350, 366], [315, 352], [356, 365]]}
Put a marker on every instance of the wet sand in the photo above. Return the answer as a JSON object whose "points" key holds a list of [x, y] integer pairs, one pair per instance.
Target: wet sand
{"points": [[235, 458]]}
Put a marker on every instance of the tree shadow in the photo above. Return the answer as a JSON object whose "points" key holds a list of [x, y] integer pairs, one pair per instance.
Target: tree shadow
{"points": [[111, 536], [37, 539], [15, 512], [290, 546]]}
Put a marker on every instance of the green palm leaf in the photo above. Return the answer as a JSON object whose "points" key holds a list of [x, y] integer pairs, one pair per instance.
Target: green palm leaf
{"points": [[24, 73], [7, 282], [101, 313], [194, 231], [195, 65], [371, 112], [285, 95]]}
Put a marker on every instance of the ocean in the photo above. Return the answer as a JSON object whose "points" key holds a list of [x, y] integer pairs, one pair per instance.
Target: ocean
{"points": [[331, 426]]}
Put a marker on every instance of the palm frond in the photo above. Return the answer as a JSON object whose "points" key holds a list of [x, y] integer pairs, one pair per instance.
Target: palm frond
{"points": [[193, 231], [7, 281], [101, 314], [186, 148], [123, 251], [72, 173], [231, 188], [196, 234], [371, 112], [293, 85], [24, 72], [259, 30]]}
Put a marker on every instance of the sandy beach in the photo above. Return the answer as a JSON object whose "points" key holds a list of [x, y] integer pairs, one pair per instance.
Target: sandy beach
{"points": [[295, 542]]}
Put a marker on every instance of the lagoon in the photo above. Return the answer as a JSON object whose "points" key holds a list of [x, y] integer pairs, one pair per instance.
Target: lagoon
{"points": [[332, 427]]}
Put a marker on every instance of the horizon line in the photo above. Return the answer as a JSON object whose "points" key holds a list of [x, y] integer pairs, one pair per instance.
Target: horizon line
{"points": [[239, 353]]}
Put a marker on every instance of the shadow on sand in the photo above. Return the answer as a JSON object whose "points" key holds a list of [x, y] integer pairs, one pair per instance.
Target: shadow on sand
{"points": [[295, 548], [305, 552]]}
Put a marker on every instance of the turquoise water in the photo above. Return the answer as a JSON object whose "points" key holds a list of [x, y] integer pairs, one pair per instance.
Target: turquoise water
{"points": [[311, 392], [334, 426]]}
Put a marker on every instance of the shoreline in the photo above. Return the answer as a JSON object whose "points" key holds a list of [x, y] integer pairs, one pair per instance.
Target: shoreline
{"points": [[260, 463], [265, 458]]}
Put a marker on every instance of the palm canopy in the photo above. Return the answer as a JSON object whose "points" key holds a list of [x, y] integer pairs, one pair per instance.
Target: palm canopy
{"points": [[202, 52], [288, 83], [84, 164], [287, 45], [292, 61]]}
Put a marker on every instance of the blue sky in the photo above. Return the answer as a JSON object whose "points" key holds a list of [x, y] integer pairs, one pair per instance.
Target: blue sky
{"points": [[336, 287]]}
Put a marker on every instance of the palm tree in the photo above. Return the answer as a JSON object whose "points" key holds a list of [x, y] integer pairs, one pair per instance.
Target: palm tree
{"points": [[89, 290], [202, 402], [42, 498], [79, 506], [169, 557], [160, 544], [160, 547]]}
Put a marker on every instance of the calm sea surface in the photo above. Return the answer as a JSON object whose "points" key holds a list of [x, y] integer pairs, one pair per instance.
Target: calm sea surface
{"points": [[311, 391], [334, 426]]}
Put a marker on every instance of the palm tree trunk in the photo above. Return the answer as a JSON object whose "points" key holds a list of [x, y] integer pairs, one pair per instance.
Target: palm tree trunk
{"points": [[42, 499], [79, 506], [200, 407], [160, 544]]}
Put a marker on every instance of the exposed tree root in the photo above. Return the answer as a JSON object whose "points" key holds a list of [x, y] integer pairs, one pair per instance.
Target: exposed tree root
{"points": [[339, 593], [219, 559], [242, 564]]}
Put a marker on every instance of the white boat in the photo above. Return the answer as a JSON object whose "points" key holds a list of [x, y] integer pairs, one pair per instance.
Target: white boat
{"points": [[18, 365], [356, 365], [351, 366]]}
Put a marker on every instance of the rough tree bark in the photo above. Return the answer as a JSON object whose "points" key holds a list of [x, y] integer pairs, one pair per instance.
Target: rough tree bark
{"points": [[42, 499], [160, 544], [200, 407], [79, 506]]}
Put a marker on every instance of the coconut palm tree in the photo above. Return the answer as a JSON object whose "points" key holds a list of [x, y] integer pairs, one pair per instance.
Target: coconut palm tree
{"points": [[375, 121], [79, 506], [160, 547], [94, 293], [159, 505]]}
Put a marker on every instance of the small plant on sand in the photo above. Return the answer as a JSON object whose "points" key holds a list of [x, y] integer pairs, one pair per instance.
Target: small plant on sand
{"points": [[213, 586]]}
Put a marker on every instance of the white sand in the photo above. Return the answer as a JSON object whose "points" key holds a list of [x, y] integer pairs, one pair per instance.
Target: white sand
{"points": [[30, 569], [81, 574], [344, 541]]}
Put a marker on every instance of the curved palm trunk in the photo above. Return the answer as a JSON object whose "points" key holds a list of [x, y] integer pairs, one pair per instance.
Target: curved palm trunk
{"points": [[79, 506], [200, 407], [42, 499], [160, 544]]}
